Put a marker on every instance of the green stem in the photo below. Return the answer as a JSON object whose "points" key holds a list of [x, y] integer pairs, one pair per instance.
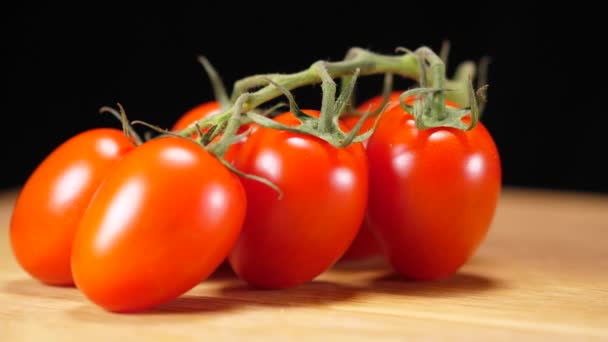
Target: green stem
{"points": [[219, 91], [234, 122], [329, 95], [369, 63], [251, 82], [128, 130], [437, 78]]}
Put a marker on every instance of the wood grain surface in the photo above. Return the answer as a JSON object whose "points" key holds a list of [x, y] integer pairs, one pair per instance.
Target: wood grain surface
{"points": [[542, 274]]}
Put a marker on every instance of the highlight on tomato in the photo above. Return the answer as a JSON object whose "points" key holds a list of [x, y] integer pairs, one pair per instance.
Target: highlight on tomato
{"points": [[162, 222], [54, 198]]}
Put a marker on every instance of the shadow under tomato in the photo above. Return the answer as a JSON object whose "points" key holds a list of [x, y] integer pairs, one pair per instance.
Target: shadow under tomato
{"points": [[314, 293], [481, 261], [459, 284], [223, 272], [361, 265], [185, 305], [232, 297], [195, 304], [34, 289]]}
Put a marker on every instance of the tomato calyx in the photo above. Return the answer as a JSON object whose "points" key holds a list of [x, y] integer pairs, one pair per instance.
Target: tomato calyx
{"points": [[127, 128], [429, 109], [327, 126]]}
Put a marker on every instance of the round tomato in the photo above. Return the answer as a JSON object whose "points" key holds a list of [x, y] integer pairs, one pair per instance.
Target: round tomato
{"points": [[433, 193], [163, 220], [289, 241], [366, 245], [206, 110], [54, 198]]}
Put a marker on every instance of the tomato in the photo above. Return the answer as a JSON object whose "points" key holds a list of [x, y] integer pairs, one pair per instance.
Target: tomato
{"points": [[163, 220], [209, 109], [289, 241], [433, 193], [54, 198], [365, 245]]}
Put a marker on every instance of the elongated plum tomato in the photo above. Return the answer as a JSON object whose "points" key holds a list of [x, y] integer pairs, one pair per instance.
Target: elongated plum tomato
{"points": [[163, 220], [366, 244], [206, 110], [433, 193], [289, 241], [54, 198]]}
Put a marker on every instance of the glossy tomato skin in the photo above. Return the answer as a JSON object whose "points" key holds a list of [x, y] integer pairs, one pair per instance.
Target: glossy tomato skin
{"points": [[163, 220], [433, 194], [54, 198], [287, 242], [209, 109], [366, 245]]}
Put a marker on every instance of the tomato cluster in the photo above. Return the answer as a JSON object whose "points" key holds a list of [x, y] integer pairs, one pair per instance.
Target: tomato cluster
{"points": [[136, 226]]}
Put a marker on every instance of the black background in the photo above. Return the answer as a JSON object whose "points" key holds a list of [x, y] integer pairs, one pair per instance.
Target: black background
{"points": [[546, 109]]}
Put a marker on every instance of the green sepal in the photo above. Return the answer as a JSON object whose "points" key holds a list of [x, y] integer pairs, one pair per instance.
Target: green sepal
{"points": [[250, 176]]}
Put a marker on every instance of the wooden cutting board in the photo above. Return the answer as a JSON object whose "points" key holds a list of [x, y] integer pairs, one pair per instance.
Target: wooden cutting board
{"points": [[542, 273]]}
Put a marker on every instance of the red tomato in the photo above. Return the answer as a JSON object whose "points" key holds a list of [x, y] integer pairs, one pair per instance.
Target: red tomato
{"points": [[433, 193], [366, 245], [289, 241], [209, 109], [54, 199], [163, 220]]}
